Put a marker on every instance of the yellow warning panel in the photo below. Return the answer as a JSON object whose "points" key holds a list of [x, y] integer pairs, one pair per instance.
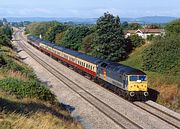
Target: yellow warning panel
{"points": [[104, 74]]}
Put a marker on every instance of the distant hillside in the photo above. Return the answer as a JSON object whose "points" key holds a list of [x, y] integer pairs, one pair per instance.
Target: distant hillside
{"points": [[76, 20], [150, 19], [46, 19]]}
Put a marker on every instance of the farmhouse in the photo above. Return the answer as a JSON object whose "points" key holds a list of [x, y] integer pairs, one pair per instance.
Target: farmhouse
{"points": [[144, 33]]}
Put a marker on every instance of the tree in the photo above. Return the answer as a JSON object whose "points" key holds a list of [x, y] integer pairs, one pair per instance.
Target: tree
{"points": [[4, 40], [125, 25], [5, 20], [87, 43], [110, 42], [6, 30], [153, 26], [54, 29], [59, 37], [136, 40], [1, 23], [134, 26], [73, 37], [173, 27]]}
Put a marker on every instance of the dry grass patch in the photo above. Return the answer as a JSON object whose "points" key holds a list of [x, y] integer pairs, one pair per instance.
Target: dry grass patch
{"points": [[15, 74], [33, 114], [169, 96], [43, 121]]}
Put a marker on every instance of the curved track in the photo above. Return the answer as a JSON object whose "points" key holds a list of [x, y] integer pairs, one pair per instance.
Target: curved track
{"points": [[107, 110]]}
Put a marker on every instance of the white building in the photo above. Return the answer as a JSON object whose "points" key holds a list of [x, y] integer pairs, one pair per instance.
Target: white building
{"points": [[145, 32]]}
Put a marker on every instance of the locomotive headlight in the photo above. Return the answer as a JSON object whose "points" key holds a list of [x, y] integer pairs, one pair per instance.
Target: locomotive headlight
{"points": [[132, 94], [146, 94]]}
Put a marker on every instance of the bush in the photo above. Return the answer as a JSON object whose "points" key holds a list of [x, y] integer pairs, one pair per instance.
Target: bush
{"points": [[163, 56], [10, 64], [31, 88]]}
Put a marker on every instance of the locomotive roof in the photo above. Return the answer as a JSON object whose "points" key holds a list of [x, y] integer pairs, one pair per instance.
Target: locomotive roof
{"points": [[120, 68]]}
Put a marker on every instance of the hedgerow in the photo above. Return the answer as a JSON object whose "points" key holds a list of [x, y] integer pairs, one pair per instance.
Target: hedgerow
{"points": [[30, 89]]}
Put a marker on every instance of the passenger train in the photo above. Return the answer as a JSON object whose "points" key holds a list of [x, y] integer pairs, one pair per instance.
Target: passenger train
{"points": [[124, 80]]}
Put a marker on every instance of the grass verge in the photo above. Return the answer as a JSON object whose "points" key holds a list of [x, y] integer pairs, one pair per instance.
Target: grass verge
{"points": [[25, 102]]}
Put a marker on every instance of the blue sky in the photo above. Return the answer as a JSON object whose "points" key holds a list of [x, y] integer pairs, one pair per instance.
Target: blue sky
{"points": [[89, 8]]}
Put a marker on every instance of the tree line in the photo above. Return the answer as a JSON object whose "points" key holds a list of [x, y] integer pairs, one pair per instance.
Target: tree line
{"points": [[105, 39]]}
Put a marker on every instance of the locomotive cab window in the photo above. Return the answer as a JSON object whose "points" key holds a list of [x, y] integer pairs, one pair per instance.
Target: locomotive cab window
{"points": [[133, 78], [142, 78], [136, 78]]}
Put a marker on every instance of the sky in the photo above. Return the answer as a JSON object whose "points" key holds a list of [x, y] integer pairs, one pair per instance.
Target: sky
{"points": [[89, 8]]}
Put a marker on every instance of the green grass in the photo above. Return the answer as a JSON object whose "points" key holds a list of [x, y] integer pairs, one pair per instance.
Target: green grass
{"points": [[134, 59]]}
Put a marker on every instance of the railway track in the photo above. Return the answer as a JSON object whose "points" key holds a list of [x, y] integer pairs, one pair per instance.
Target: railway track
{"points": [[168, 118], [121, 120]]}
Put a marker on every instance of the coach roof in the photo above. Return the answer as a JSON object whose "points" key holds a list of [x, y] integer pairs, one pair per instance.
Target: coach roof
{"points": [[78, 55]]}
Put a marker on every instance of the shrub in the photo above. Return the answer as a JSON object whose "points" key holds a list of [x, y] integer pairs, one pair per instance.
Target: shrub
{"points": [[163, 56], [30, 88], [10, 64]]}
